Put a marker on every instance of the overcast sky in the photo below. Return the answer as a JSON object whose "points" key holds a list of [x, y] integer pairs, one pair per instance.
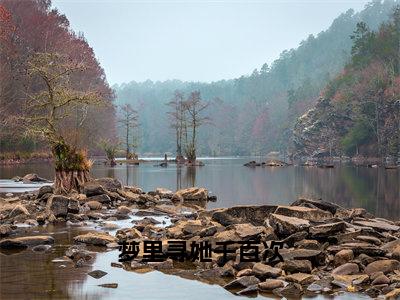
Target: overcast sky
{"points": [[198, 40]]}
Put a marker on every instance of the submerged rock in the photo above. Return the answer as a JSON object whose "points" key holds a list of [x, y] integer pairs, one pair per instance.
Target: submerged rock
{"points": [[109, 285], [97, 274], [26, 241]]}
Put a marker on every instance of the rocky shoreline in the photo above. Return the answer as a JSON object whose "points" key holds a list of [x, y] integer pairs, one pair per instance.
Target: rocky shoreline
{"points": [[326, 249]]}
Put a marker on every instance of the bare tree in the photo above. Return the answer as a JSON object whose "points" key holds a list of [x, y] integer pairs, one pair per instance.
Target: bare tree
{"points": [[129, 122], [195, 109], [110, 148], [46, 112], [178, 119]]}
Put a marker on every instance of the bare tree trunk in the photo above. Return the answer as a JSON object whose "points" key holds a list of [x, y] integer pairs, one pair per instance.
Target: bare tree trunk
{"points": [[67, 181]]}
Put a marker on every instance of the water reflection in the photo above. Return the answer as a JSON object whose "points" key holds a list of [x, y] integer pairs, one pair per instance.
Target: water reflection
{"points": [[375, 189]]}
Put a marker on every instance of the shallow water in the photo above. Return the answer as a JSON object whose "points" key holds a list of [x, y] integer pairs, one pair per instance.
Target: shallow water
{"points": [[30, 275], [375, 189]]}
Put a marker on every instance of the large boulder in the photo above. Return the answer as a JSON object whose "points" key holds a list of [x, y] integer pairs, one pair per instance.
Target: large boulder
{"points": [[58, 205], [109, 184], [326, 230], [317, 257], [254, 214], [301, 212], [324, 205], [379, 225], [95, 238], [164, 193], [26, 241], [128, 234], [248, 231], [191, 194], [33, 178], [284, 225], [92, 188]]}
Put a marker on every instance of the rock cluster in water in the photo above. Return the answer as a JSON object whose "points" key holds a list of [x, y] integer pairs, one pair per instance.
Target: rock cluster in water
{"points": [[327, 249]]}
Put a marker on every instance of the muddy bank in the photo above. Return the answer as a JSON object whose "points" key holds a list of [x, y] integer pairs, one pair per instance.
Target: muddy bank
{"points": [[326, 249]]}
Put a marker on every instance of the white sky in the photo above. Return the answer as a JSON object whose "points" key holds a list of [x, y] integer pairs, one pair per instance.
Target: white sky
{"points": [[195, 40]]}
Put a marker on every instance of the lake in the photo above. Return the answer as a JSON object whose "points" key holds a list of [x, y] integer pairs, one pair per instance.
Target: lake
{"points": [[375, 189], [31, 275]]}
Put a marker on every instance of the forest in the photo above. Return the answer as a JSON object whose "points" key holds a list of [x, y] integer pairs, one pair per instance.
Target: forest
{"points": [[250, 115], [358, 113], [32, 32], [254, 114]]}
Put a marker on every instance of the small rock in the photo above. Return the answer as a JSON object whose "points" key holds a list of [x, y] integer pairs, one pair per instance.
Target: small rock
{"points": [[5, 229], [384, 266], [343, 256], [242, 282], [164, 193], [190, 194], [265, 271], [346, 269], [297, 266], [103, 198], [244, 272], [301, 278], [128, 234], [117, 265], [270, 284], [395, 294], [308, 244], [110, 226], [97, 274], [94, 205], [124, 210], [41, 248], [292, 290], [46, 189], [252, 289], [109, 285], [382, 279]]}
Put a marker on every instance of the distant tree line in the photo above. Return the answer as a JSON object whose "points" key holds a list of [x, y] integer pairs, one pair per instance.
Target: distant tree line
{"points": [[256, 113]]}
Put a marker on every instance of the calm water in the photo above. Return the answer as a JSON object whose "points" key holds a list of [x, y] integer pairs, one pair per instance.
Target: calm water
{"points": [[29, 275], [377, 190]]}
